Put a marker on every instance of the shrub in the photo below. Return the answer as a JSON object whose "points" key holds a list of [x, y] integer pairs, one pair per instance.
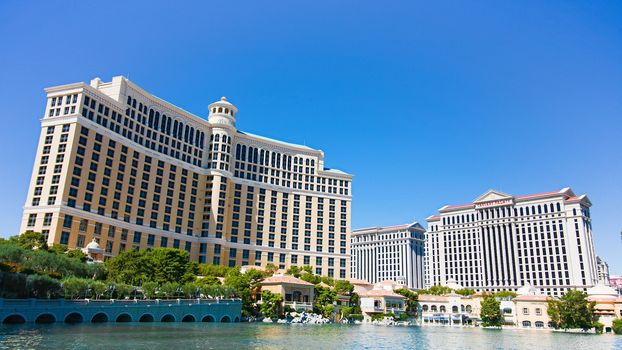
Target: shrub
{"points": [[75, 287], [616, 326], [598, 327], [356, 317], [44, 287], [149, 289]]}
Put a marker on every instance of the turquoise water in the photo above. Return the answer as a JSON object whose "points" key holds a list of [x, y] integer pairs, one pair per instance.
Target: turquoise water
{"points": [[181, 336]]}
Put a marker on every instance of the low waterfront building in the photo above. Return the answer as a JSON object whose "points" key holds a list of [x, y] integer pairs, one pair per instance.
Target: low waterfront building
{"points": [[501, 242], [531, 311], [381, 301], [394, 253], [360, 286], [448, 309], [608, 304], [296, 293]]}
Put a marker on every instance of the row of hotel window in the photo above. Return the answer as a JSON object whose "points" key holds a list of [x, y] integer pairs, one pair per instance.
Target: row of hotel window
{"points": [[60, 157], [129, 189], [137, 237], [501, 212], [145, 130]]}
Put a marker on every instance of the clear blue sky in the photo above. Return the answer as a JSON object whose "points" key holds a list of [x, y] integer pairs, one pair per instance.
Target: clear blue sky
{"points": [[426, 104]]}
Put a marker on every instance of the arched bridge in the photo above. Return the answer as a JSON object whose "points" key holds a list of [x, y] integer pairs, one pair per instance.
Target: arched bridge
{"points": [[15, 311]]}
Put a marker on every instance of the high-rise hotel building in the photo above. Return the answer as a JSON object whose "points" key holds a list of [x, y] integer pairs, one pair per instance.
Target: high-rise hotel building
{"points": [[502, 242], [127, 169], [389, 253]]}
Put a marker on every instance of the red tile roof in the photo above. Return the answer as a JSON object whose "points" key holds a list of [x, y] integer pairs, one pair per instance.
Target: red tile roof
{"points": [[432, 298], [532, 298], [285, 279], [382, 293]]}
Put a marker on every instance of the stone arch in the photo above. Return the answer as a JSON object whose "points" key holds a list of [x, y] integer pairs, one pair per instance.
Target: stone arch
{"points": [[236, 320], [208, 318], [225, 319], [167, 318], [146, 318], [99, 318], [45, 318], [14, 319], [188, 318], [74, 317], [124, 317]]}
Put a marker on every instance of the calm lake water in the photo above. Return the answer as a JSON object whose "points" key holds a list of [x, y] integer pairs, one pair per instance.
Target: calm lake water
{"points": [[181, 336]]}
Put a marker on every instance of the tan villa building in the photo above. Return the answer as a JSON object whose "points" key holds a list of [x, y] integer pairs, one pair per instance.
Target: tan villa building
{"points": [[124, 168]]}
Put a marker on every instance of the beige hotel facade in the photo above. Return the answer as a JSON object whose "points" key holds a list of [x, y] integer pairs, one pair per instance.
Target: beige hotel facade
{"points": [[503, 242], [117, 165]]}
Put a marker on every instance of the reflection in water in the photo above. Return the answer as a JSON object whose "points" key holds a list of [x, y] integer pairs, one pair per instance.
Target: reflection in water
{"points": [[276, 336]]}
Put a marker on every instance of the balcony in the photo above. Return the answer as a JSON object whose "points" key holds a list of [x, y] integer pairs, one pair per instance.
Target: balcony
{"points": [[298, 305]]}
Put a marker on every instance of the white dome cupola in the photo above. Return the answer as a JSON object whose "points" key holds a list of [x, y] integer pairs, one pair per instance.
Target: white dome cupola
{"points": [[222, 112]]}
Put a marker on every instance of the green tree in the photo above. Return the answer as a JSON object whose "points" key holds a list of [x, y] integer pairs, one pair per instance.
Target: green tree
{"points": [[149, 289], [190, 290], [98, 288], [343, 287], [271, 269], [355, 302], [11, 255], [170, 289], [412, 300], [436, 290], [572, 310], [311, 278], [44, 287], [127, 267], [491, 312], [77, 254], [270, 304], [123, 290], [554, 313], [75, 287], [169, 265], [214, 270], [32, 240], [323, 302], [57, 249], [616, 326], [465, 292], [207, 280], [294, 271], [244, 286], [505, 294]]}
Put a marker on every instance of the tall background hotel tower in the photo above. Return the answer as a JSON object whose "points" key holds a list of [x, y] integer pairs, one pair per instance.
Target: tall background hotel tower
{"points": [[502, 242], [127, 169], [389, 253]]}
